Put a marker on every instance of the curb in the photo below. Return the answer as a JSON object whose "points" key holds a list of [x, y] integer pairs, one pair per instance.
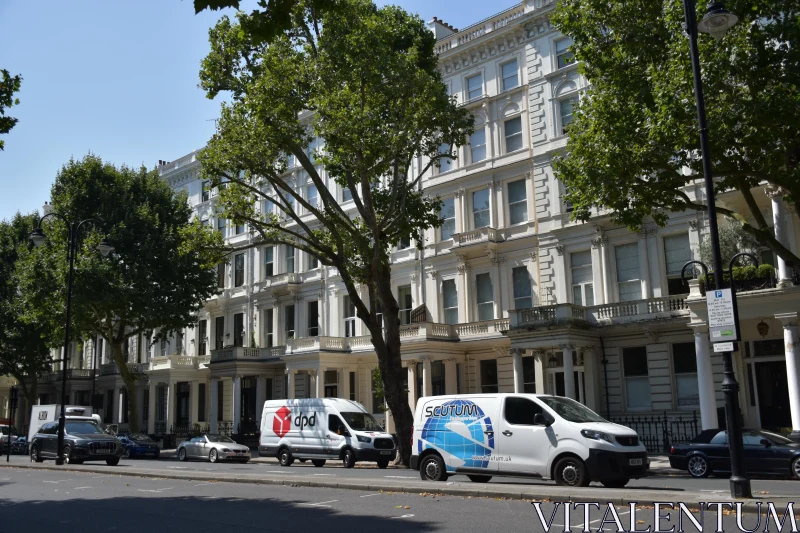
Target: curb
{"points": [[643, 497]]}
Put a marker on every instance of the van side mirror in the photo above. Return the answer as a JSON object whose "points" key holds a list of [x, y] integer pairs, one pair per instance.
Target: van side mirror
{"points": [[540, 420]]}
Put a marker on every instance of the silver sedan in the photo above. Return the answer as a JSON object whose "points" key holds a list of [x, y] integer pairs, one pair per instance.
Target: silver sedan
{"points": [[214, 448]]}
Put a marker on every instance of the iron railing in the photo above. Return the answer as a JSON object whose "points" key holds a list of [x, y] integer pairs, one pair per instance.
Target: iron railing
{"points": [[659, 432]]}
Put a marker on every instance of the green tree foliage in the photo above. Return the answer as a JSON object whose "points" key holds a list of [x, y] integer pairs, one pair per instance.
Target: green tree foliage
{"points": [[8, 86], [159, 276], [382, 122], [636, 130], [732, 240]]}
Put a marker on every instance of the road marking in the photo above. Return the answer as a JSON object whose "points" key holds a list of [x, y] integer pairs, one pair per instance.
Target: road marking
{"points": [[370, 495], [81, 488], [324, 474], [179, 467], [709, 490], [59, 481], [203, 484], [401, 477], [320, 504], [98, 477], [404, 516], [154, 490]]}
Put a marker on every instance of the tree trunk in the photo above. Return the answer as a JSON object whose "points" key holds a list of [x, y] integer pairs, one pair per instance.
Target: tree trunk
{"points": [[129, 378]]}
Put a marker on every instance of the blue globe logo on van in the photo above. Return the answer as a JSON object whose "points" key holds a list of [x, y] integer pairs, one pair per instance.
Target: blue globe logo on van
{"points": [[458, 431]]}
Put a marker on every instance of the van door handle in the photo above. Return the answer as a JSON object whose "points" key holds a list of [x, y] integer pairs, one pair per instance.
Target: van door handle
{"points": [[507, 433], [489, 432]]}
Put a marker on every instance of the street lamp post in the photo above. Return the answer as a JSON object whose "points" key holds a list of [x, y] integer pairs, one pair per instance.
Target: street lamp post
{"points": [[38, 237], [717, 22]]}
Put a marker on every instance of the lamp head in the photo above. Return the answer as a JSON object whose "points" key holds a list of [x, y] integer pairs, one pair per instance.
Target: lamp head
{"points": [[717, 20], [37, 237], [105, 248]]}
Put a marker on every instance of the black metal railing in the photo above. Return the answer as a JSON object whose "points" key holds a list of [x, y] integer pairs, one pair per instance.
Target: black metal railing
{"points": [[186, 431], [659, 432], [160, 428], [225, 428]]}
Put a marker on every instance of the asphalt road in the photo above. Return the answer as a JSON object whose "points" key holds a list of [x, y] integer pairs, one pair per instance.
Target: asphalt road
{"points": [[33, 500]]}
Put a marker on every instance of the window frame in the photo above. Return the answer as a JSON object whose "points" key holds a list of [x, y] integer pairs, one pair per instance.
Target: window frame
{"points": [[289, 259], [447, 310], [637, 377], [488, 388], [468, 97], [503, 76], [524, 202], [583, 286], [487, 304], [484, 146], [517, 303], [404, 313], [631, 281], [567, 54], [506, 136], [690, 375], [348, 317], [269, 261], [238, 270], [684, 287], [487, 210], [447, 221], [290, 333], [312, 318]]}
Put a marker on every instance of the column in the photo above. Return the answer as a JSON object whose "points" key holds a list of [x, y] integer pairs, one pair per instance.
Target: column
{"points": [[644, 264], [121, 404], [194, 397], [608, 281], [151, 408], [300, 329], [496, 292], [705, 377], [213, 426], [781, 235], [590, 377], [465, 270], [237, 402], [461, 211], [538, 367], [492, 206], [344, 383], [450, 376], [170, 421], [519, 378], [569, 372], [426, 377], [116, 405], [290, 393], [319, 383], [598, 272], [412, 385], [261, 396], [792, 344]]}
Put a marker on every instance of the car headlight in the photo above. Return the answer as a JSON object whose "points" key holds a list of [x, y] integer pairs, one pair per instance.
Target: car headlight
{"points": [[225, 450], [363, 439], [597, 435]]}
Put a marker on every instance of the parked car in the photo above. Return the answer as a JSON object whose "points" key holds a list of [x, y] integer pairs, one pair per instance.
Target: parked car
{"points": [[83, 441], [765, 453], [20, 446], [214, 448], [139, 445], [8, 434]]}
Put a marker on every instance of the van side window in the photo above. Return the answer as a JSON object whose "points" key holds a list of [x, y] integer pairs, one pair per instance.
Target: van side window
{"points": [[334, 422], [520, 411]]}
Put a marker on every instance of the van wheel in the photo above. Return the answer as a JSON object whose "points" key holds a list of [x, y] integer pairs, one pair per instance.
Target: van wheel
{"points": [[479, 479], [349, 459], [383, 464], [285, 457], [571, 472], [35, 457], [432, 468], [615, 483], [319, 463]]}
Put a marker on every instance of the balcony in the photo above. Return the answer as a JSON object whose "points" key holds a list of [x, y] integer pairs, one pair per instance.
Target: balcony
{"points": [[330, 344], [239, 353], [282, 283], [73, 373], [477, 241], [111, 369], [178, 362]]}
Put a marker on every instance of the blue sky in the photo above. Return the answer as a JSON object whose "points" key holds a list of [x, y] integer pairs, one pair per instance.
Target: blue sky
{"points": [[119, 79]]}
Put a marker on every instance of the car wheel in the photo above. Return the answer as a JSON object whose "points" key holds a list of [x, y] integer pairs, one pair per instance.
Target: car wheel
{"points": [[182, 454], [67, 455], [349, 459], [698, 466], [571, 472], [114, 461], [479, 479], [615, 483], [285, 457], [213, 456], [383, 464], [796, 468], [319, 463], [35, 458], [432, 468]]}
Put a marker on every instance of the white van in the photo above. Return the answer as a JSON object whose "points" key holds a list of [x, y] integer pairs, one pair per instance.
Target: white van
{"points": [[321, 429], [528, 435]]}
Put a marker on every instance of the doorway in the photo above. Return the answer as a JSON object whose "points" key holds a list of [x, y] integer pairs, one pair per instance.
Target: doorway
{"points": [[773, 395], [248, 421], [556, 383]]}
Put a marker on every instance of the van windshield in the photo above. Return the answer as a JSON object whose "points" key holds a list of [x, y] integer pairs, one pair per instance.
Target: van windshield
{"points": [[361, 422], [570, 410]]}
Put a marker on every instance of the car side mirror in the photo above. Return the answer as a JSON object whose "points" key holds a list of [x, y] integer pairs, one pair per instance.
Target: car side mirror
{"points": [[766, 443], [540, 420]]}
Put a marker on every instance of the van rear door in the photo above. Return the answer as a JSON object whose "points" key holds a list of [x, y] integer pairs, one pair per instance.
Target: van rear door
{"points": [[524, 446]]}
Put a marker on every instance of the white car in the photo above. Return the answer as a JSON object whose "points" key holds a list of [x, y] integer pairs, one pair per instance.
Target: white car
{"points": [[527, 435], [213, 448]]}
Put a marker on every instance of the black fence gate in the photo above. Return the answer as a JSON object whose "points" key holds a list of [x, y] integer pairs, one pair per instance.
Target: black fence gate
{"points": [[659, 432]]}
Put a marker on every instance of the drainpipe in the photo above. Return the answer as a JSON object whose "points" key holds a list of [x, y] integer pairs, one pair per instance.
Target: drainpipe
{"points": [[605, 375]]}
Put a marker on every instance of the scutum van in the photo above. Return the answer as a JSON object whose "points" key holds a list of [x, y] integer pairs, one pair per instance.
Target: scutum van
{"points": [[322, 429], [528, 435]]}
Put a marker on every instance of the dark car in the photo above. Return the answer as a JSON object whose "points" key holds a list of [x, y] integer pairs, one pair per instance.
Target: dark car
{"points": [[20, 446], [765, 453], [83, 441], [139, 445]]}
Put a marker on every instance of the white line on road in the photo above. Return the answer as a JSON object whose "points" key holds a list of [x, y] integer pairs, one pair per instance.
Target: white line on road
{"points": [[59, 481], [81, 488], [203, 484], [320, 504], [324, 474], [404, 516], [155, 490], [369, 495], [401, 477], [179, 467]]}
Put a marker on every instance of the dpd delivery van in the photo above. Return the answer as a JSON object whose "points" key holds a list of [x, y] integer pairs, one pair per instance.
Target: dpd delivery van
{"points": [[529, 435], [321, 429]]}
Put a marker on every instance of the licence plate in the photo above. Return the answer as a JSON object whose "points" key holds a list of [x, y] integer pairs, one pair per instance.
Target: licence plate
{"points": [[636, 462], [387, 452]]}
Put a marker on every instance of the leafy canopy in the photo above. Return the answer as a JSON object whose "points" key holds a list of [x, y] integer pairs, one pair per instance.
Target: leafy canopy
{"points": [[636, 130], [8, 86]]}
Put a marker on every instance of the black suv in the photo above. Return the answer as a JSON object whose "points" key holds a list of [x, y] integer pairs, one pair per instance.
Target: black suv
{"points": [[83, 441]]}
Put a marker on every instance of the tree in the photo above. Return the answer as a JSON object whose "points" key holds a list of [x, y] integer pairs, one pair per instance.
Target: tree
{"points": [[635, 131], [382, 123], [8, 86], [162, 269]]}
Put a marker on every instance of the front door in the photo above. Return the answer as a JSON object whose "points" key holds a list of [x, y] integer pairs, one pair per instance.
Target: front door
{"points": [[773, 395], [182, 404], [524, 446], [247, 424]]}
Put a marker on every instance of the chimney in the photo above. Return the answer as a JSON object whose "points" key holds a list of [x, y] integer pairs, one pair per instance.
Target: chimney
{"points": [[440, 28]]}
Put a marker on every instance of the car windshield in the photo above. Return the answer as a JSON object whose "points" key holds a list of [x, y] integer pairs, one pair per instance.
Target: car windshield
{"points": [[83, 428], [774, 437], [220, 438], [361, 422], [141, 439], [6, 431], [570, 410]]}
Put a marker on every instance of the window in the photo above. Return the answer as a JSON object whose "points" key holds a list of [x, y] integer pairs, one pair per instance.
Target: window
{"points": [[477, 145], [269, 206], [564, 56], [684, 365], [445, 163], [312, 195], [238, 270], [474, 87], [676, 254], [513, 133], [221, 276], [313, 318], [347, 195], [566, 110], [204, 194], [269, 328], [239, 229], [219, 332], [582, 282], [517, 202], [523, 293], [510, 75], [480, 209], [163, 351], [437, 378], [289, 259], [220, 400], [352, 379], [269, 261], [628, 282], [489, 376], [529, 375], [637, 381], [450, 301], [405, 303], [405, 243], [290, 161], [238, 329], [201, 402], [349, 313], [483, 283], [336, 425], [331, 383], [313, 262], [521, 411], [448, 215], [288, 319], [205, 223], [221, 225]]}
